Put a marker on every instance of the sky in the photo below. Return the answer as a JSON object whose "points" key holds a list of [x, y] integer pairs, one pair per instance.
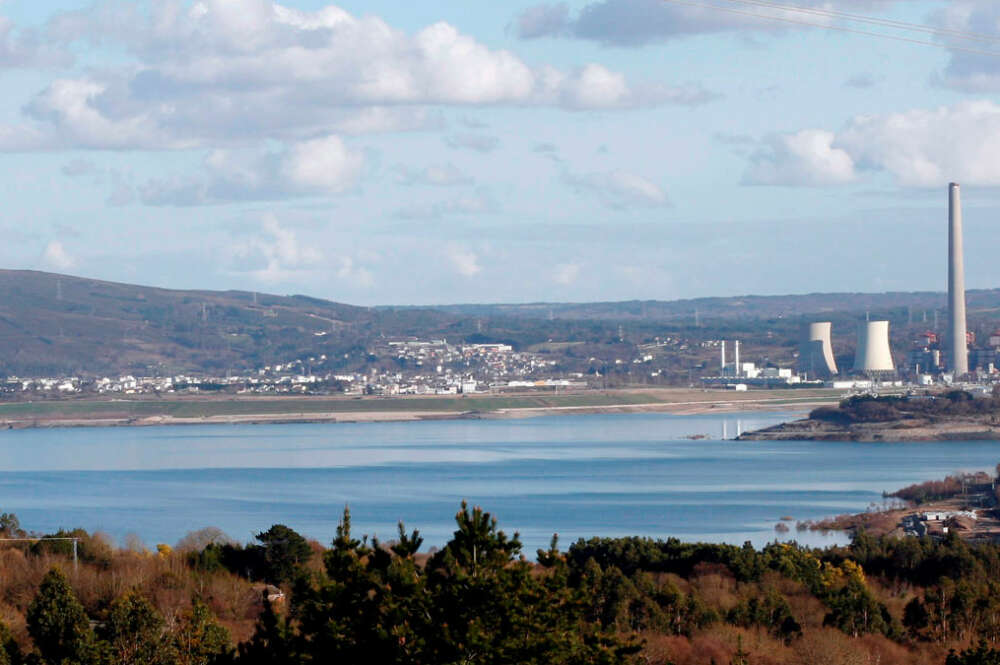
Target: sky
{"points": [[468, 151]]}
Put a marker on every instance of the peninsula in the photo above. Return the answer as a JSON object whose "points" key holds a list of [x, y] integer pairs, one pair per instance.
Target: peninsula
{"points": [[956, 415]]}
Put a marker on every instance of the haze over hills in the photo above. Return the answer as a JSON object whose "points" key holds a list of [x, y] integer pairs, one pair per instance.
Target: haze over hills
{"points": [[59, 324], [748, 306]]}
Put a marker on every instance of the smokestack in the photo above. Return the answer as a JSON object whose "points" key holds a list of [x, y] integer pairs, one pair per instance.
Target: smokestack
{"points": [[958, 350], [739, 370], [723, 355]]}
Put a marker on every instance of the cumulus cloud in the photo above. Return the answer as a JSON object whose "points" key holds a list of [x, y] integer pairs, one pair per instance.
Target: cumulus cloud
{"points": [[464, 261], [272, 253], [441, 175], [26, 48], [638, 22], [566, 273], [930, 147], [542, 21], [968, 71], [350, 271], [320, 166], [620, 189], [805, 158], [921, 148], [55, 256], [222, 71]]}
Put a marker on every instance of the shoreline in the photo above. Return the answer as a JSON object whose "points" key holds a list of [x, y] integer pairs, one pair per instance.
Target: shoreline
{"points": [[293, 415]]}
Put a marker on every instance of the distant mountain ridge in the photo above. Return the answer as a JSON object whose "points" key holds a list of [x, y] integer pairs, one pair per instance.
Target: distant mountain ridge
{"points": [[62, 325], [748, 306], [58, 324]]}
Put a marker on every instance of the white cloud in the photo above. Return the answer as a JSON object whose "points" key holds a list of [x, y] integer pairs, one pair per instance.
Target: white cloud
{"points": [[805, 158], [25, 48], [542, 21], [356, 275], [620, 189], [220, 71], [464, 261], [921, 147], [566, 273], [967, 70], [55, 256], [315, 167], [272, 253], [638, 22], [321, 165]]}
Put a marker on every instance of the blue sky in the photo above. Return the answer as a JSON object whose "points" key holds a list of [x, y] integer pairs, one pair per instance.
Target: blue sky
{"points": [[443, 151]]}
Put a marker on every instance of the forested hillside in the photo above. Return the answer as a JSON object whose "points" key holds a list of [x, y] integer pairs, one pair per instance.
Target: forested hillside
{"points": [[604, 601]]}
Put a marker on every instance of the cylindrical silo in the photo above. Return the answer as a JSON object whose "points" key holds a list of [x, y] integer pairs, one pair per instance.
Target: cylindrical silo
{"points": [[873, 354], [816, 351]]}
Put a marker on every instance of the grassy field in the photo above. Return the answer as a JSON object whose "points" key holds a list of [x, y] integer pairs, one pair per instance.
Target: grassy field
{"points": [[203, 407]]}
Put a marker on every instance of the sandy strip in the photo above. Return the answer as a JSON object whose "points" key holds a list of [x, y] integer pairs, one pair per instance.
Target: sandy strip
{"points": [[786, 404]]}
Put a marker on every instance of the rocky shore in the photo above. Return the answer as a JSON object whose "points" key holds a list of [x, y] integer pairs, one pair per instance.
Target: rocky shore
{"points": [[972, 428]]}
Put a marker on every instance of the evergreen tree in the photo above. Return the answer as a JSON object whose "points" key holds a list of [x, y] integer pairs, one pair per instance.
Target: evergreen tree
{"points": [[283, 551], [135, 632], [10, 652], [200, 640], [980, 655], [58, 624], [272, 642]]}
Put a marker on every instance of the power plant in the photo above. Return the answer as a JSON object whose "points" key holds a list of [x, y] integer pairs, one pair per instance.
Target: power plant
{"points": [[816, 351], [873, 353], [958, 349], [934, 358]]}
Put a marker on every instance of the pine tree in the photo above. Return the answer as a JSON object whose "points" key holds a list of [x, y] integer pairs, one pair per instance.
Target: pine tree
{"points": [[10, 652], [59, 625], [272, 642], [135, 632], [200, 640]]}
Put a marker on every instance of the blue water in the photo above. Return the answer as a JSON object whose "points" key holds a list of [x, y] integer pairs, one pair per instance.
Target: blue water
{"points": [[583, 475]]}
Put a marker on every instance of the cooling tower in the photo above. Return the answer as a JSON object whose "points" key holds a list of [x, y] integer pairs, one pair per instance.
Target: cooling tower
{"points": [[816, 352], [958, 349], [873, 354]]}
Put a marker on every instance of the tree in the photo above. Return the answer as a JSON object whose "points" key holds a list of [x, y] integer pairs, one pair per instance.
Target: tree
{"points": [[59, 625], [135, 632], [272, 642], [10, 652], [981, 655], [200, 640], [284, 553], [10, 526]]}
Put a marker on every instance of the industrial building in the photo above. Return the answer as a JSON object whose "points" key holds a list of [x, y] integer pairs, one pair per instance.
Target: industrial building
{"points": [[816, 351], [873, 354]]}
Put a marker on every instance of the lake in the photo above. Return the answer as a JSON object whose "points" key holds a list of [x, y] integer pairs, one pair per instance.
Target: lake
{"points": [[579, 475]]}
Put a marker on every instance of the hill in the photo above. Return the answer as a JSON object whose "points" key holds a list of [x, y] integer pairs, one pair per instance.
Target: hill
{"points": [[61, 325], [737, 307], [56, 324]]}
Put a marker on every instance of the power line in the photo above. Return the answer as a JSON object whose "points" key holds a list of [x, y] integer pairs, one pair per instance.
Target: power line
{"points": [[873, 20], [854, 31]]}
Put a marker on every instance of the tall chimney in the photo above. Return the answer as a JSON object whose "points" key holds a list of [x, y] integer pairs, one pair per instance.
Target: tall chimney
{"points": [[958, 350], [723, 356], [739, 370]]}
